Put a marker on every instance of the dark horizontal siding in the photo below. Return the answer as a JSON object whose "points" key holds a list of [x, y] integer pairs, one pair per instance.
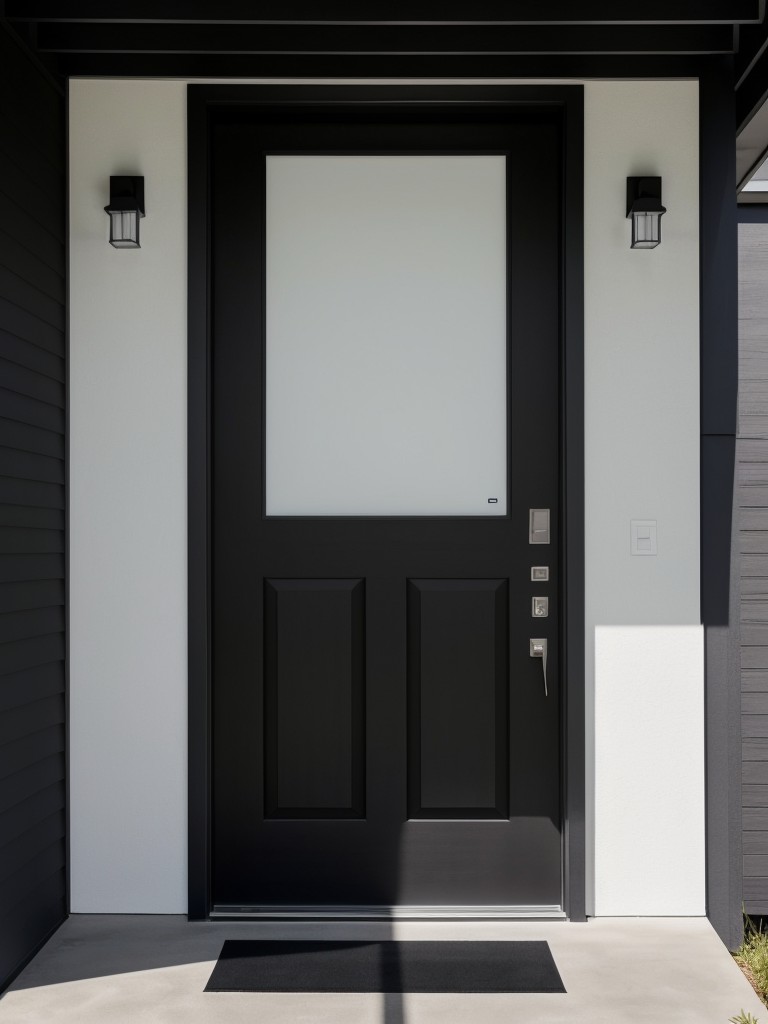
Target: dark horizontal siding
{"points": [[15, 255], [29, 383], [33, 845], [30, 684], [19, 568], [27, 541], [29, 326], [26, 438], [18, 654], [752, 489], [32, 357], [31, 717], [34, 622], [28, 466], [41, 518], [28, 231], [26, 409], [33, 300], [33, 164], [35, 917], [30, 813], [31, 594], [22, 786]]}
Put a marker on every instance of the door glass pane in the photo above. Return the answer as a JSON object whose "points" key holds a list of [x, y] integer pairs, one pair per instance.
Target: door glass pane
{"points": [[386, 336]]}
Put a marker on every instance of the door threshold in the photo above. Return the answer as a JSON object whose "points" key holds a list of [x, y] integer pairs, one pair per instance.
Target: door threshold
{"points": [[379, 913]]}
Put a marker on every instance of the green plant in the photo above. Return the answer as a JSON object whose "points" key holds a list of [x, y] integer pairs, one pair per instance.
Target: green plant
{"points": [[752, 957], [744, 1018]]}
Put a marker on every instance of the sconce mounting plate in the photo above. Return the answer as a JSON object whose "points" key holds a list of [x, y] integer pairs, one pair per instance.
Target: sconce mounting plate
{"points": [[642, 188], [124, 186]]}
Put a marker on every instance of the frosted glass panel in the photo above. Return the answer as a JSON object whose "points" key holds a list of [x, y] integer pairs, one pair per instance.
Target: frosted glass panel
{"points": [[386, 336]]}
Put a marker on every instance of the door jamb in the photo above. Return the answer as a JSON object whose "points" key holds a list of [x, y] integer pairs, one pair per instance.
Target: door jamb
{"points": [[203, 102]]}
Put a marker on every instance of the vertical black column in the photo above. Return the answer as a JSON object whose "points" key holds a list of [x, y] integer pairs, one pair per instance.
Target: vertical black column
{"points": [[198, 523], [33, 447], [719, 557], [573, 569]]}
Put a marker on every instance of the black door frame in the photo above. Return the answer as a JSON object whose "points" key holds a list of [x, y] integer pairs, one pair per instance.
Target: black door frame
{"points": [[204, 102]]}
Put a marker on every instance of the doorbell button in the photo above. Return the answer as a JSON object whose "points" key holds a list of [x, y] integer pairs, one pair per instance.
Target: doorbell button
{"points": [[538, 526]]}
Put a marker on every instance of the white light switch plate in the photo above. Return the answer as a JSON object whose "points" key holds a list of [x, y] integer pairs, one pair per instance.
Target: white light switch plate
{"points": [[643, 536]]}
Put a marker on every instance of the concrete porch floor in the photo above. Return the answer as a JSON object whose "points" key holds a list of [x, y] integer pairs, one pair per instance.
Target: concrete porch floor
{"points": [[110, 969]]}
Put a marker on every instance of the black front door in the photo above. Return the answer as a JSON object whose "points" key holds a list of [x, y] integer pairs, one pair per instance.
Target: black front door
{"points": [[382, 735]]}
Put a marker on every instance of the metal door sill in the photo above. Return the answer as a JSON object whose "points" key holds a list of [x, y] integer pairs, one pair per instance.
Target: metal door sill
{"points": [[379, 913]]}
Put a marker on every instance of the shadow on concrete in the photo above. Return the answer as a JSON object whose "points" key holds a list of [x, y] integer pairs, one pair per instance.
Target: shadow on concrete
{"points": [[89, 946]]}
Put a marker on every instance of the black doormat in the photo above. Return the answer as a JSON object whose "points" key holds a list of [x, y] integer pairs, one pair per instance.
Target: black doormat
{"points": [[274, 966]]}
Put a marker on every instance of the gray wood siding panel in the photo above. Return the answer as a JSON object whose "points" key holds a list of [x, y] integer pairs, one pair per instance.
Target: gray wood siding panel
{"points": [[756, 844], [753, 680], [754, 634], [753, 612], [754, 657], [33, 895], [754, 773], [755, 900], [754, 725], [753, 497], [755, 819], [754, 542], [754, 749], [754, 703], [755, 796], [752, 502]]}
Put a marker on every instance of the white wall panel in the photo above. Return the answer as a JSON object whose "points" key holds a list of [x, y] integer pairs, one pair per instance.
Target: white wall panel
{"points": [[642, 462], [128, 574], [649, 756]]}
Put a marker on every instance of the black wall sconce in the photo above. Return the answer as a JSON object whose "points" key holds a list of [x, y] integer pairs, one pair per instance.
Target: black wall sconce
{"points": [[645, 209], [126, 207]]}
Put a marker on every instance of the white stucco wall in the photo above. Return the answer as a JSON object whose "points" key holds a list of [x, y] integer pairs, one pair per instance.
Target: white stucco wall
{"points": [[642, 462], [128, 506]]}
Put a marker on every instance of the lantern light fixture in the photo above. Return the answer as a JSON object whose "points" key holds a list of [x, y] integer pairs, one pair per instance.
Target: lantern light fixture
{"points": [[645, 209], [126, 208]]}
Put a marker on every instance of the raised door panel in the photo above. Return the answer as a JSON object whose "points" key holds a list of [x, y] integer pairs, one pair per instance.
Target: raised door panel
{"points": [[314, 698], [457, 685]]}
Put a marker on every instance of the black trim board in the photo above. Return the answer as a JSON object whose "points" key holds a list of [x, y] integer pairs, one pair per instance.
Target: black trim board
{"points": [[67, 492], [367, 66], [719, 540], [203, 102], [199, 504], [752, 213], [517, 12], [319, 38]]}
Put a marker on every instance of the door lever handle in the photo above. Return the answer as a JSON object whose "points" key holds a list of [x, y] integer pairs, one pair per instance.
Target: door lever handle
{"points": [[539, 650]]}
